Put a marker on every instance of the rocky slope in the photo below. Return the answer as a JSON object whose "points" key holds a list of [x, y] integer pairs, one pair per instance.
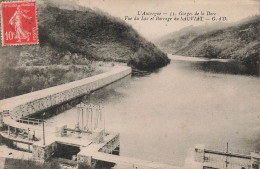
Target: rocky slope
{"points": [[174, 41]]}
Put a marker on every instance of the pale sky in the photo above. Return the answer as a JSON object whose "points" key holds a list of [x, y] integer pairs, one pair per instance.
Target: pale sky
{"points": [[234, 10]]}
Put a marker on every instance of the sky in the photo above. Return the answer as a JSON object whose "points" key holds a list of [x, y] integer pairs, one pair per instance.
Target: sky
{"points": [[234, 10]]}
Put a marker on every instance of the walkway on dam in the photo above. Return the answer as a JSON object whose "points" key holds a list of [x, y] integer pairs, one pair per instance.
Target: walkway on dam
{"points": [[11, 103], [11, 122], [95, 152], [38, 101]]}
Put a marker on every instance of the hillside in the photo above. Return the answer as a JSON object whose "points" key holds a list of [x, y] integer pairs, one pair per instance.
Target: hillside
{"points": [[74, 42], [239, 42], [96, 36], [174, 41]]}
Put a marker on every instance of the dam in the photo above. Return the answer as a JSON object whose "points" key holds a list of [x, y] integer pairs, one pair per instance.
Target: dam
{"points": [[128, 122], [22, 124], [42, 100]]}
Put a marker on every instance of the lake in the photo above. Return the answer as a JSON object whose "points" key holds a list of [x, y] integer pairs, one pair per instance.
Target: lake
{"points": [[161, 115]]}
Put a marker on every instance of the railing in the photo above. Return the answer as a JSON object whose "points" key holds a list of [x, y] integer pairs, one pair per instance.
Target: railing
{"points": [[28, 120], [218, 159], [228, 154]]}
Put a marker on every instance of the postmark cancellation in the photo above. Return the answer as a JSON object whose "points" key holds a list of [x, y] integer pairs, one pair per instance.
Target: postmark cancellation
{"points": [[19, 23]]}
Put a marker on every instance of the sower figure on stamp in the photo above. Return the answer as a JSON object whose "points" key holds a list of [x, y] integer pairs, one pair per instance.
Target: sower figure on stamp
{"points": [[16, 20]]}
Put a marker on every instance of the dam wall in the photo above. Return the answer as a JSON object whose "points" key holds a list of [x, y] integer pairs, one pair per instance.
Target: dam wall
{"points": [[38, 101]]}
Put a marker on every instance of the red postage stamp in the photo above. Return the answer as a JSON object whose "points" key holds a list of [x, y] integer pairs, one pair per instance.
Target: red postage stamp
{"points": [[19, 23]]}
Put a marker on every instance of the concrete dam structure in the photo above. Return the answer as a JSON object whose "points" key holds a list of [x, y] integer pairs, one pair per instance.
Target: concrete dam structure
{"points": [[39, 101], [86, 144]]}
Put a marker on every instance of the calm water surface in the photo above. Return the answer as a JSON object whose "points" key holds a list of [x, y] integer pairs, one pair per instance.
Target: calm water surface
{"points": [[162, 115]]}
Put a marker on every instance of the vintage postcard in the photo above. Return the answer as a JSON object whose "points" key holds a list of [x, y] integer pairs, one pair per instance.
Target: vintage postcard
{"points": [[130, 84]]}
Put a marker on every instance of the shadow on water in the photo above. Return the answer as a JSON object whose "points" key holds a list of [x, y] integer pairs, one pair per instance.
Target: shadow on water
{"points": [[109, 92], [142, 73], [228, 67], [97, 165], [231, 67]]}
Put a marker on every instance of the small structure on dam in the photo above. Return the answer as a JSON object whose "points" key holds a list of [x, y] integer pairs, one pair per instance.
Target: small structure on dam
{"points": [[203, 158], [88, 131]]}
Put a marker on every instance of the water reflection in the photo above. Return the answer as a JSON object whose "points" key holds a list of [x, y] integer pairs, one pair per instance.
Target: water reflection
{"points": [[226, 66]]}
